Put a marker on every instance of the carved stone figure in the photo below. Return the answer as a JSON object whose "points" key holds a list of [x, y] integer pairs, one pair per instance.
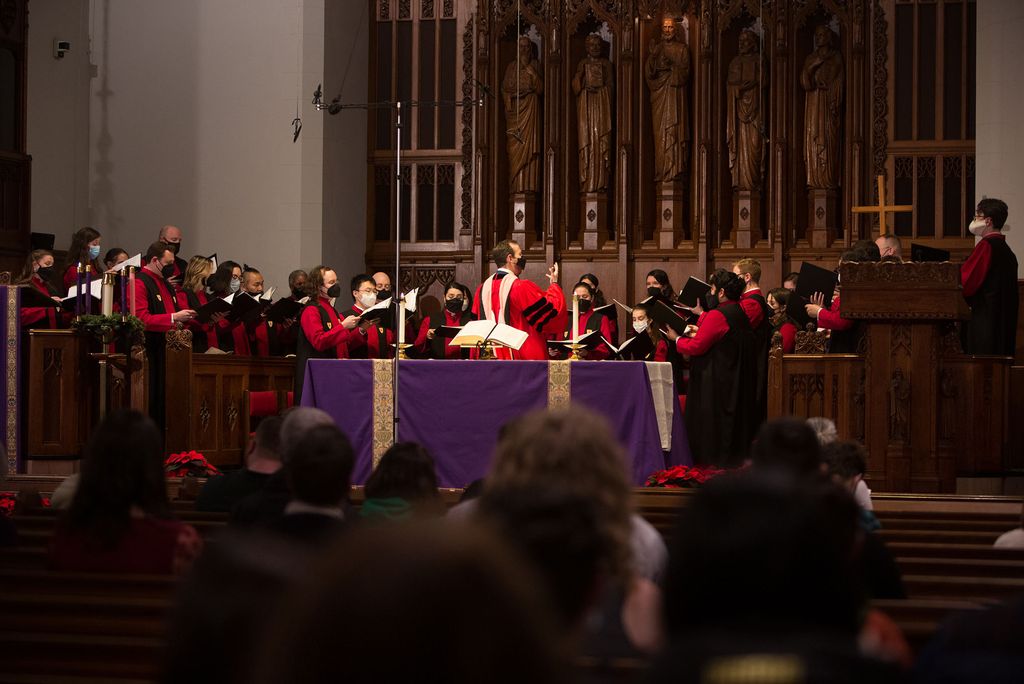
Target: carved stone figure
{"points": [[899, 406], [521, 89], [745, 120], [822, 79], [667, 72], [593, 85]]}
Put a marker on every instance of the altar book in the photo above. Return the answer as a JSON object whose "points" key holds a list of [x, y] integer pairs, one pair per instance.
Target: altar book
{"points": [[478, 332]]}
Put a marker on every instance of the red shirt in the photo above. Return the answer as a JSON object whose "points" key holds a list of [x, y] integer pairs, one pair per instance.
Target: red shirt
{"points": [[334, 336], [713, 328], [601, 351], [32, 316], [830, 318], [422, 344], [194, 325], [752, 307], [788, 332], [71, 276], [975, 269], [159, 319], [375, 347]]}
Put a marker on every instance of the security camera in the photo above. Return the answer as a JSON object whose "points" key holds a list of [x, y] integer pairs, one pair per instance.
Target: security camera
{"points": [[60, 47]]}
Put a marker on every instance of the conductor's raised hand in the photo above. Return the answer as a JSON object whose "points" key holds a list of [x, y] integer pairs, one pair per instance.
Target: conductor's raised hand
{"points": [[553, 273]]}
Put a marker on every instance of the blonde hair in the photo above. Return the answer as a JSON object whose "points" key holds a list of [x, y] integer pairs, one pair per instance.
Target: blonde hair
{"points": [[751, 267], [573, 450], [196, 273], [27, 271]]}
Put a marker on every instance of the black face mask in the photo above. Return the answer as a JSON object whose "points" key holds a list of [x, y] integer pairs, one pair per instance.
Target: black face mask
{"points": [[710, 301], [454, 305], [297, 293], [585, 305], [175, 247], [334, 290], [45, 272], [167, 271], [521, 262], [654, 292]]}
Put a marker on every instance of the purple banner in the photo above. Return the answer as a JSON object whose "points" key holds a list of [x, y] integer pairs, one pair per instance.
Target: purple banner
{"points": [[10, 333]]}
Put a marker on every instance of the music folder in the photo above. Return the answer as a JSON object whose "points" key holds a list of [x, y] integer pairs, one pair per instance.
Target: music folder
{"points": [[33, 298], [377, 311], [286, 308], [214, 306], [665, 315], [636, 348], [815, 279], [926, 253], [693, 292]]}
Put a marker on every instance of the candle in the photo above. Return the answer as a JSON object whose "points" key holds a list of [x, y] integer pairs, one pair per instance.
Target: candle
{"points": [[123, 275], [87, 295], [131, 286], [107, 295], [575, 318], [401, 322], [78, 292]]}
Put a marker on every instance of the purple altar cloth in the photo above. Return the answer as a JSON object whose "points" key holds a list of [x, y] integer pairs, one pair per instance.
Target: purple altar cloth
{"points": [[455, 409]]}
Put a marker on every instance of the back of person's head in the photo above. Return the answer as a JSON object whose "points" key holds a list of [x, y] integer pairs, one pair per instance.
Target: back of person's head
{"points": [[732, 286], [558, 532], [573, 449], [718, 277], [319, 468], [423, 602], [405, 471], [787, 444], [869, 248], [123, 468], [765, 551], [219, 281], [846, 461], [297, 421], [994, 209], [268, 437], [824, 429], [856, 255]]}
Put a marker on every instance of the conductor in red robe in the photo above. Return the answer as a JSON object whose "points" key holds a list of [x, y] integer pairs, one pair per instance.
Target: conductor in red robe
{"points": [[506, 298]]}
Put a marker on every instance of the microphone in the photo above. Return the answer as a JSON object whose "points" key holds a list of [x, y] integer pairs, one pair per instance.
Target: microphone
{"points": [[318, 96]]}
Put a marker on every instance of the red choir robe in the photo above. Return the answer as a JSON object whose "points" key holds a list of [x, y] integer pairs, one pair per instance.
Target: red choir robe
{"points": [[204, 335], [989, 278], [589, 322], [45, 317], [375, 344], [155, 313], [438, 348], [71, 276], [520, 303]]}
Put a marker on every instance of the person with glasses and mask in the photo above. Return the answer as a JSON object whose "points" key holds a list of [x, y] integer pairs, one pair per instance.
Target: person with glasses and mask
{"points": [[375, 338], [456, 313], [989, 278], [171, 236], [323, 334], [506, 298], [226, 281], [589, 322], [38, 274]]}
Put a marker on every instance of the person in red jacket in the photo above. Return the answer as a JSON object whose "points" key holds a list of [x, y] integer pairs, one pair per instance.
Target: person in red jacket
{"points": [[457, 303], [192, 295], [781, 322], [37, 274], [322, 333], [589, 322], [85, 248], [506, 298]]}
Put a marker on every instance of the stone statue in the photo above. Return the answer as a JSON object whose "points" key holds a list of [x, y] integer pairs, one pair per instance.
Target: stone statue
{"points": [[593, 85], [521, 89], [667, 71], [745, 120], [822, 78]]}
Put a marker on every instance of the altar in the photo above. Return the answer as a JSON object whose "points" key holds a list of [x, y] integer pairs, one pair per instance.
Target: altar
{"points": [[455, 408]]}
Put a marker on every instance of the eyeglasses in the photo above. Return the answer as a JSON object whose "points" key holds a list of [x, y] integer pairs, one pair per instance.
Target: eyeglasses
{"points": [[365, 291]]}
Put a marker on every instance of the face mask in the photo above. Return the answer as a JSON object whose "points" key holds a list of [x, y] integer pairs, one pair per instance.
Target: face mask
{"points": [[654, 292], [45, 272], [639, 326], [521, 262], [454, 305], [367, 300], [235, 285], [94, 252], [174, 247], [710, 301], [167, 271], [299, 294], [584, 305], [977, 225], [334, 290]]}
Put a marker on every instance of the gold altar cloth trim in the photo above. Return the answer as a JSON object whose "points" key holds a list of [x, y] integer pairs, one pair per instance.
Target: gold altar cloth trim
{"points": [[559, 386], [13, 332], [383, 408]]}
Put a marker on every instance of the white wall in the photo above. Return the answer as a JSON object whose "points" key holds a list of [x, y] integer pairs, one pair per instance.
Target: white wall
{"points": [[58, 117], [1000, 137]]}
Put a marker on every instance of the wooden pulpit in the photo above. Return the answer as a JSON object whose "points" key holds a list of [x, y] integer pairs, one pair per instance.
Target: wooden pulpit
{"points": [[926, 412]]}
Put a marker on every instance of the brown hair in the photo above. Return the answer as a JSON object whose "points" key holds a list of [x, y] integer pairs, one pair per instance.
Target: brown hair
{"points": [[27, 270], [79, 250], [751, 267], [316, 280], [196, 273], [501, 252]]}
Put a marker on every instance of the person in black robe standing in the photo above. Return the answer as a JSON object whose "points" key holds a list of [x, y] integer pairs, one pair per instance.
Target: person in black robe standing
{"points": [[989, 278], [721, 398]]}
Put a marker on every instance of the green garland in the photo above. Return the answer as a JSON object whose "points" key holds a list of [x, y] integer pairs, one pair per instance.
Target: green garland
{"points": [[106, 328]]}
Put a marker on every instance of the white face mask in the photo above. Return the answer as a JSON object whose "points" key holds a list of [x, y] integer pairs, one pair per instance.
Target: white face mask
{"points": [[977, 225], [639, 326], [367, 300]]}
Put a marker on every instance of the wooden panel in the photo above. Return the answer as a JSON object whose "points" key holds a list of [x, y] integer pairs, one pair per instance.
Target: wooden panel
{"points": [[60, 410]]}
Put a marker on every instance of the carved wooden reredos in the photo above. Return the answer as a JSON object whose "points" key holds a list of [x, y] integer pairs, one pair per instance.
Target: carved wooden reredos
{"points": [[774, 120]]}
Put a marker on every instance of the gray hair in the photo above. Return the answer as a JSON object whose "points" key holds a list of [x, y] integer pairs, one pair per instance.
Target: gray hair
{"points": [[298, 422], [824, 429]]}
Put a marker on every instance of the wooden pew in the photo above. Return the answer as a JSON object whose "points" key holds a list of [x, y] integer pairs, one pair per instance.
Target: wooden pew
{"points": [[919, 619]]}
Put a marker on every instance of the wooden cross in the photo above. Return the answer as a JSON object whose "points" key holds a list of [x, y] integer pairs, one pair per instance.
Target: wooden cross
{"points": [[882, 208]]}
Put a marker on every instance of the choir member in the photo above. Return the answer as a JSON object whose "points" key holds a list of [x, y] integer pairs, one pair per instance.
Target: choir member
{"points": [[754, 305], [457, 304], [85, 248], [844, 333], [38, 274], [382, 281], [171, 236], [322, 333], [889, 247], [721, 397], [589, 322], [298, 284], [375, 338], [192, 295], [224, 282], [789, 282], [257, 331], [114, 256], [506, 298], [599, 301], [285, 339], [643, 324], [989, 278], [781, 322], [659, 285]]}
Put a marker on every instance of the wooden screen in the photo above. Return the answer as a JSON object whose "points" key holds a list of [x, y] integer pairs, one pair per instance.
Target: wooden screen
{"points": [[15, 164]]}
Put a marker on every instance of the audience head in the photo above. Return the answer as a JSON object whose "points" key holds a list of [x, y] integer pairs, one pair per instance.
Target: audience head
{"points": [[508, 254], [123, 469], [265, 444], [572, 449], [765, 552], [382, 281], [405, 471], [658, 284], [789, 445], [252, 282], [319, 467], [991, 213], [847, 462], [749, 271], [364, 291], [889, 246], [296, 422], [221, 281], [824, 429], [171, 235], [114, 257], [297, 283], [39, 262], [457, 298], [323, 282], [197, 273], [158, 259], [789, 282], [420, 602], [85, 247]]}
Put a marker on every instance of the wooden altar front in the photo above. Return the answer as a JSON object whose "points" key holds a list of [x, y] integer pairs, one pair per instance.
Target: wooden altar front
{"points": [[926, 412]]}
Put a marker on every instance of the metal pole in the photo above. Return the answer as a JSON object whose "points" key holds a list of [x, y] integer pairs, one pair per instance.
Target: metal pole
{"points": [[397, 285]]}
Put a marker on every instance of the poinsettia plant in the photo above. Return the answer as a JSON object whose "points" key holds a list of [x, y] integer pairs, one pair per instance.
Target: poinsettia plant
{"points": [[189, 463], [682, 477], [7, 502]]}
